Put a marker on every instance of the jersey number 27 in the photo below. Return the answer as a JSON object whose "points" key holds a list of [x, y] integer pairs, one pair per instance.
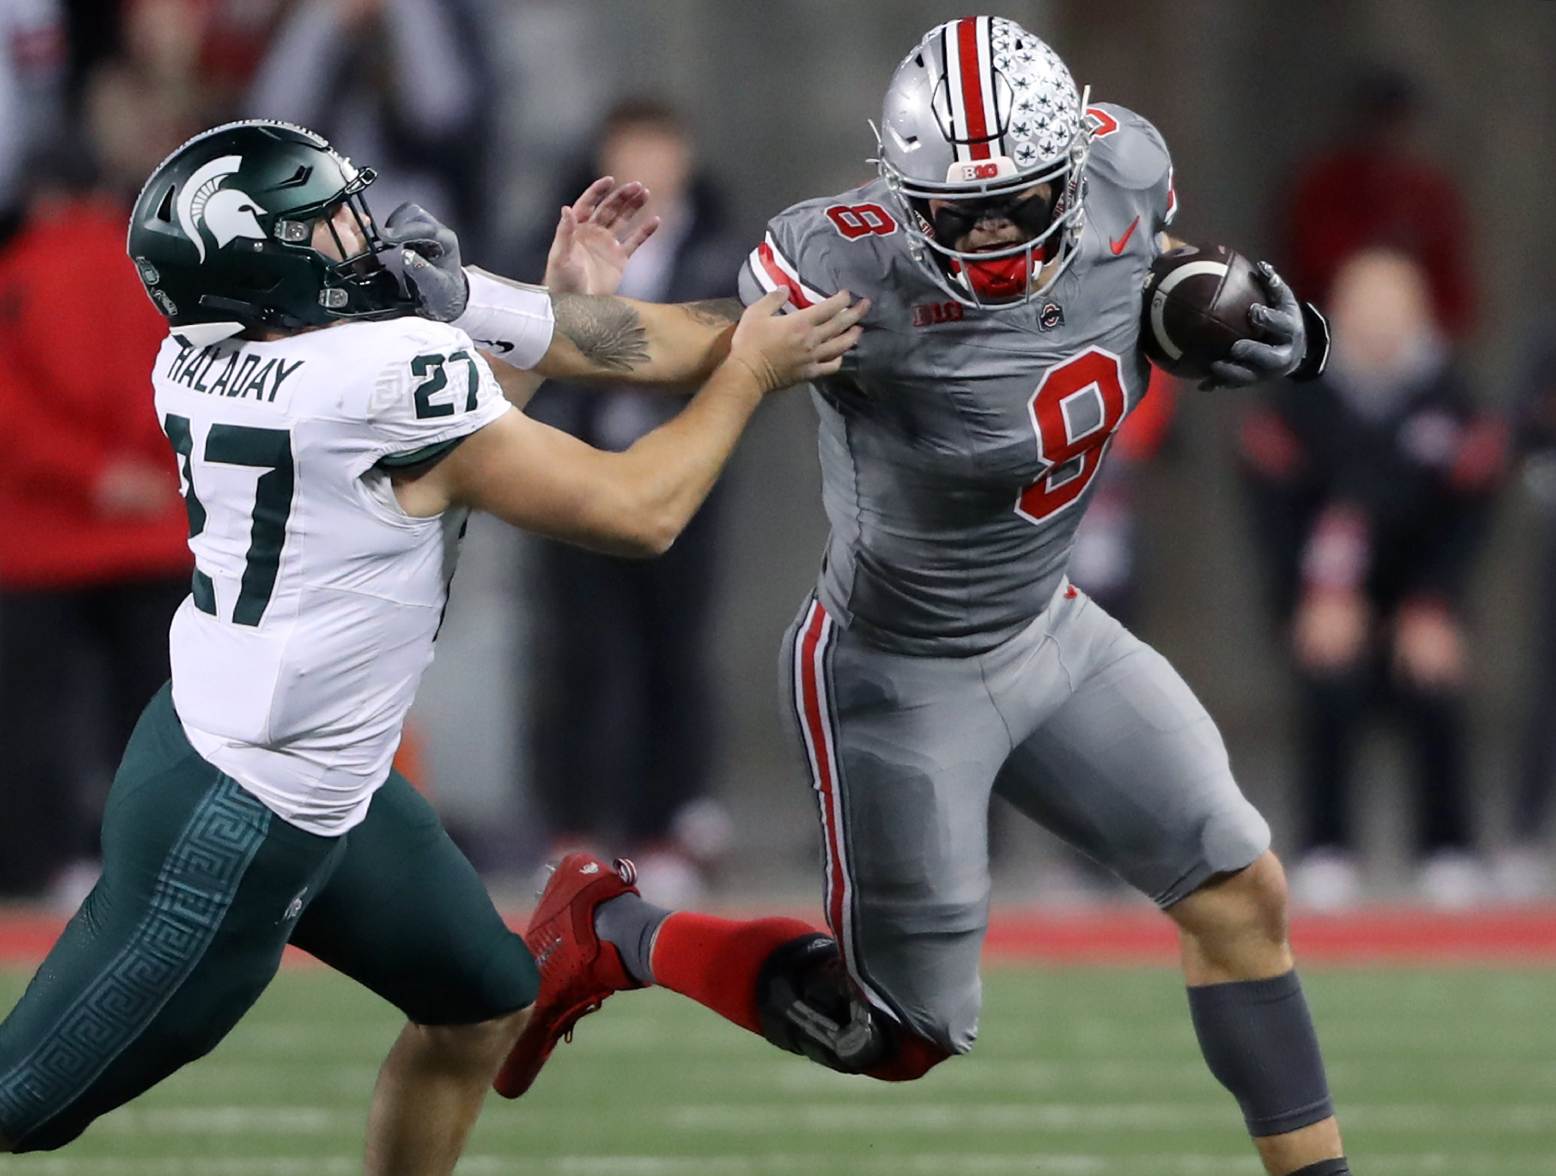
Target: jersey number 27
{"points": [[271, 451], [1075, 410]]}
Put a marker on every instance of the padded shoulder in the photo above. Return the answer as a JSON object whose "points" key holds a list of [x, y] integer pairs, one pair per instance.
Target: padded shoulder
{"points": [[1128, 153], [820, 246], [429, 383]]}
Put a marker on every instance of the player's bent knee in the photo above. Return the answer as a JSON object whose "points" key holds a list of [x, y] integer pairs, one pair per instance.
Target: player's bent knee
{"points": [[478, 1043], [1235, 839], [912, 1057], [1261, 891], [809, 1006], [1236, 911]]}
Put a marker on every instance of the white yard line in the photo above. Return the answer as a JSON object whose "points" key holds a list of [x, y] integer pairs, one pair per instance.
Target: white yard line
{"points": [[908, 1116], [921, 1164], [1038, 1115], [1014, 1076], [250, 1119]]}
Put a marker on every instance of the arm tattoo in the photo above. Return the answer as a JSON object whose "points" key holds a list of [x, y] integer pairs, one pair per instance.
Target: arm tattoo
{"points": [[715, 312], [607, 331]]}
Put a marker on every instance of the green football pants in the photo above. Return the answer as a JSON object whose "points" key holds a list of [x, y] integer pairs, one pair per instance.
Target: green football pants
{"points": [[202, 888]]}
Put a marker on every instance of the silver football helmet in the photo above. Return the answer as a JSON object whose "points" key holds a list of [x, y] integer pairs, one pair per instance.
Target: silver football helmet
{"points": [[979, 112]]}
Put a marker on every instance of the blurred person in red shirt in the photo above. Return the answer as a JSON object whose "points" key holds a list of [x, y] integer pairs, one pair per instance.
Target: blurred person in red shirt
{"points": [[93, 553], [1374, 188], [1372, 488]]}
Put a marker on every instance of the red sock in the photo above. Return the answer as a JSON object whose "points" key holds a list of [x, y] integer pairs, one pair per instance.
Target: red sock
{"points": [[716, 961]]}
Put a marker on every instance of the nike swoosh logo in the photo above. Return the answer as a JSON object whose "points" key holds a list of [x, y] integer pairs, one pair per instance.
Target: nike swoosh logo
{"points": [[1118, 246]]}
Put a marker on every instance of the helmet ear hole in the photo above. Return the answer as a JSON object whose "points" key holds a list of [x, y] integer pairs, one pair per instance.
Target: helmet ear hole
{"points": [[164, 211]]}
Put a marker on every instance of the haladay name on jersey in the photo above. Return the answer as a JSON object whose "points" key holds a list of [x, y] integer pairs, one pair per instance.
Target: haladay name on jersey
{"points": [[226, 369]]}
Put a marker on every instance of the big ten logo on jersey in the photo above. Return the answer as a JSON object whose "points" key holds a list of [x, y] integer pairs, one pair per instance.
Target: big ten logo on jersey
{"points": [[853, 221], [229, 369], [933, 314]]}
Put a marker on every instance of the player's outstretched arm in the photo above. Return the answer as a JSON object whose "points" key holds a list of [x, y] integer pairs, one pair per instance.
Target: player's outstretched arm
{"points": [[620, 339], [598, 337], [639, 342], [637, 502], [573, 327]]}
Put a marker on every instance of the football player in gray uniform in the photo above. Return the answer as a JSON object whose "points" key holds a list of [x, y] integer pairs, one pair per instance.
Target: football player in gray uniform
{"points": [[944, 656]]}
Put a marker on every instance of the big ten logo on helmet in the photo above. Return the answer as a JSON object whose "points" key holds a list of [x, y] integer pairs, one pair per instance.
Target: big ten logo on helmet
{"points": [[972, 172]]}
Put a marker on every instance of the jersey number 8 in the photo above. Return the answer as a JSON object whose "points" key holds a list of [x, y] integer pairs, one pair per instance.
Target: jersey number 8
{"points": [[1075, 411]]}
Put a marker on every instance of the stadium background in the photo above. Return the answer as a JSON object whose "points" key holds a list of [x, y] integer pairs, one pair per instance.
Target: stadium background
{"points": [[779, 97], [1443, 1056]]}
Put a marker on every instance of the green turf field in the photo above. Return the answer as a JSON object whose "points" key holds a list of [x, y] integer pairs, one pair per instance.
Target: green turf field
{"points": [[1079, 1072]]}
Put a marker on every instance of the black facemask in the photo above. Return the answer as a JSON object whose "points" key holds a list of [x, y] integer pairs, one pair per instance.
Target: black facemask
{"points": [[1030, 213]]}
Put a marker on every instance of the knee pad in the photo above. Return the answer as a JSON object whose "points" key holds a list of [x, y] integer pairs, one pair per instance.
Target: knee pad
{"points": [[1234, 839], [808, 1006]]}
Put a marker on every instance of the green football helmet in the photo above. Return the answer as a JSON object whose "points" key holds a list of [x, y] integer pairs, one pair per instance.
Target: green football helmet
{"points": [[222, 235]]}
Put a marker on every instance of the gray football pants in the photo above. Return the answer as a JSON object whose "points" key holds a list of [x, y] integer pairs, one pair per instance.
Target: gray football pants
{"points": [[1075, 721]]}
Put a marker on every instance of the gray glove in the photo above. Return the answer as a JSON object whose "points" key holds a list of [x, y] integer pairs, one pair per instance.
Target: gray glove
{"points": [[426, 262], [1283, 347]]}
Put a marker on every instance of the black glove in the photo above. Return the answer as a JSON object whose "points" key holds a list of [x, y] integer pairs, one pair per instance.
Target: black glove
{"points": [[426, 262], [1295, 340]]}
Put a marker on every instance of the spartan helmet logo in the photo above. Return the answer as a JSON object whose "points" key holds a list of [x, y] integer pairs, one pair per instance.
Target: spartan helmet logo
{"points": [[226, 212]]}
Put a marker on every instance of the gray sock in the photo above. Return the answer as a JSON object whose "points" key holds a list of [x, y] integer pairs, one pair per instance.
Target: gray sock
{"points": [[1258, 1040], [629, 924]]}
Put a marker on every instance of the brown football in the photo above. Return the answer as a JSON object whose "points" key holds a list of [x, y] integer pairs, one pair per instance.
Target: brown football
{"points": [[1196, 306]]}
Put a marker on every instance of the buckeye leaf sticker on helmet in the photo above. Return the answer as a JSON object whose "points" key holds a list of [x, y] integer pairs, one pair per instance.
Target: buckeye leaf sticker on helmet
{"points": [[982, 123]]}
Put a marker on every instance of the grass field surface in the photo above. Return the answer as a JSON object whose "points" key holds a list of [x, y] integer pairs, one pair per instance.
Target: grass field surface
{"points": [[1079, 1072]]}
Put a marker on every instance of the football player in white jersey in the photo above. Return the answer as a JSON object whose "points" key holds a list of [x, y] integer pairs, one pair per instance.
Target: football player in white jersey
{"points": [[944, 656], [330, 445]]}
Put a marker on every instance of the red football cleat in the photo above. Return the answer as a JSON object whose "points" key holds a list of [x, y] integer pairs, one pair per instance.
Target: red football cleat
{"points": [[577, 970]]}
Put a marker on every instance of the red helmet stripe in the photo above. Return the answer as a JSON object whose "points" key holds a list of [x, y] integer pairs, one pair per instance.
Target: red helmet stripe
{"points": [[972, 86]]}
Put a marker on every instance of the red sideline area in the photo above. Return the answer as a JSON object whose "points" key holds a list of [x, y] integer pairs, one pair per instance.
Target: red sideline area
{"points": [[1107, 935]]}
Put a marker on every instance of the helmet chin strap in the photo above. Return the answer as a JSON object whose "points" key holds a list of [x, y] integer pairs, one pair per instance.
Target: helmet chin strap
{"points": [[1001, 277]]}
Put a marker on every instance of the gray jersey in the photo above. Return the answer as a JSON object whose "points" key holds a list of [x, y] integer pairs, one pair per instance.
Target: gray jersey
{"points": [[959, 446]]}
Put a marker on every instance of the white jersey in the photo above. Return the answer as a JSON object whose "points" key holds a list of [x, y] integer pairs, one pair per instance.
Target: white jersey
{"points": [[315, 598]]}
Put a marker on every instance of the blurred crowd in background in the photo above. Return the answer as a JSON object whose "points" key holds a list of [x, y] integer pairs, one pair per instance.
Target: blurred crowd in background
{"points": [[1366, 499]]}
